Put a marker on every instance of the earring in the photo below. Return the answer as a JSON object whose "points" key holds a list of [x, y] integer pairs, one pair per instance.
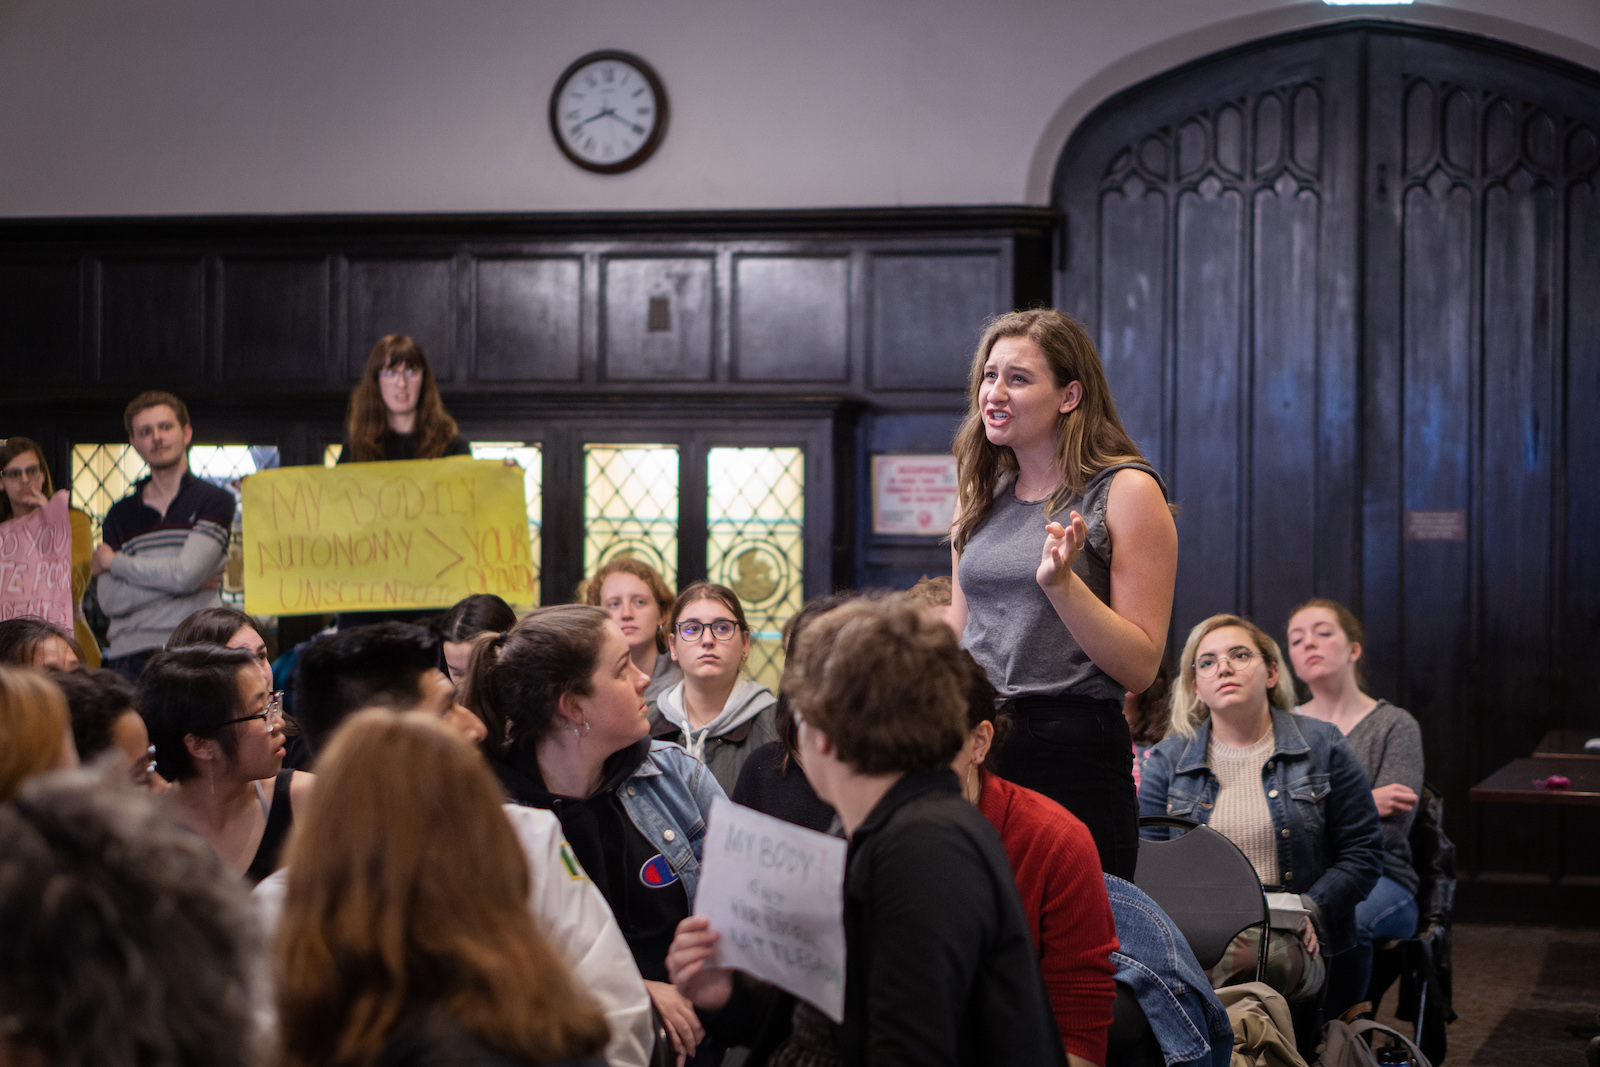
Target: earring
{"points": [[582, 729], [211, 779]]}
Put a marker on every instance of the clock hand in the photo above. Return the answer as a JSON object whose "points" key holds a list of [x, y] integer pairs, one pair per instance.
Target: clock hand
{"points": [[635, 127], [603, 112]]}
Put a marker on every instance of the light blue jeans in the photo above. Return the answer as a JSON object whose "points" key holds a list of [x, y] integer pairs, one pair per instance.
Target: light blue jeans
{"points": [[1389, 911]]}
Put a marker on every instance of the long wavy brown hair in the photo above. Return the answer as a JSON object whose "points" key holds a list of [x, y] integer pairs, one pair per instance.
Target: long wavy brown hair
{"points": [[408, 895], [368, 420], [1089, 438]]}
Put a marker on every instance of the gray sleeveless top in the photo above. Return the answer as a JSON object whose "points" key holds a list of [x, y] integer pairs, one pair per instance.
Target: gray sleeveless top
{"points": [[1012, 631]]}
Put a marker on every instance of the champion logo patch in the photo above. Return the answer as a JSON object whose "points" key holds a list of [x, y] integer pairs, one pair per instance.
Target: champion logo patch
{"points": [[657, 872]]}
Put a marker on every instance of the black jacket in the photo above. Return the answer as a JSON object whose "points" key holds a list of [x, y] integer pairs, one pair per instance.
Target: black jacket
{"points": [[940, 967]]}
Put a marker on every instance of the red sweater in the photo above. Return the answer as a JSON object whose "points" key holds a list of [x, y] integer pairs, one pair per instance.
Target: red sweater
{"points": [[1058, 876]]}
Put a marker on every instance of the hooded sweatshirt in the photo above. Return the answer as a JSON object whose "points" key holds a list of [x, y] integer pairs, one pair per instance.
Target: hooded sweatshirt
{"points": [[745, 724]]}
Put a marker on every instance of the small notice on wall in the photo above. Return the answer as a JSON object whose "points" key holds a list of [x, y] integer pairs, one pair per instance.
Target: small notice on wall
{"points": [[913, 494], [775, 892], [384, 536], [1435, 525]]}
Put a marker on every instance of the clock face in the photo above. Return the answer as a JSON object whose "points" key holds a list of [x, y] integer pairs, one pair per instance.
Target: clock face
{"points": [[608, 112]]}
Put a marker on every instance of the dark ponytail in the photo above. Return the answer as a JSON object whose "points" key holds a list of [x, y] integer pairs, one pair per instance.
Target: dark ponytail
{"points": [[518, 678]]}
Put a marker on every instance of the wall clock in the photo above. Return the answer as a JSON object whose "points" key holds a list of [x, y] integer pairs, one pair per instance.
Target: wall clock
{"points": [[608, 112]]}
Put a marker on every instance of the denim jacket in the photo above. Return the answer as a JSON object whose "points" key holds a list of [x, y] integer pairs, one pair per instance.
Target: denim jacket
{"points": [[668, 798], [1330, 847], [1156, 963]]}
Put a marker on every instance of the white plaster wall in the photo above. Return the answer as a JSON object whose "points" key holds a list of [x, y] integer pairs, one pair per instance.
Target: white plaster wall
{"points": [[302, 106]]}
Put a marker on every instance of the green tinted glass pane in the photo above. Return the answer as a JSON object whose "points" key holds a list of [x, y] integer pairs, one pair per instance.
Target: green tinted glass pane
{"points": [[531, 460], [630, 506], [755, 543]]}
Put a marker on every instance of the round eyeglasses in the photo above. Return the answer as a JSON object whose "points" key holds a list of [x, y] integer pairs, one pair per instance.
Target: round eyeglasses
{"points": [[1238, 659], [272, 714], [721, 629]]}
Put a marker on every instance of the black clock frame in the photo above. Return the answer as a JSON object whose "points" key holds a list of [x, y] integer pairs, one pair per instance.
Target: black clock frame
{"points": [[647, 149]]}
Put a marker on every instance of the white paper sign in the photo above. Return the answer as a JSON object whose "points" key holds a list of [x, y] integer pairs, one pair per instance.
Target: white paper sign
{"points": [[775, 892], [913, 494]]}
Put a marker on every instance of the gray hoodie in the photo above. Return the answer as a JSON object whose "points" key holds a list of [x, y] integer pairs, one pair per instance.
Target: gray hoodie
{"points": [[722, 744]]}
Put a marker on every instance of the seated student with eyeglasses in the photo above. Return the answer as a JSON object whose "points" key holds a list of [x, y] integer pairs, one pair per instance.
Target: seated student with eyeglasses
{"points": [[217, 729], [717, 713], [1287, 789], [394, 666]]}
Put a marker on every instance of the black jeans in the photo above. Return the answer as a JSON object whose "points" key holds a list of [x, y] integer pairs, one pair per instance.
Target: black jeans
{"points": [[1078, 752]]}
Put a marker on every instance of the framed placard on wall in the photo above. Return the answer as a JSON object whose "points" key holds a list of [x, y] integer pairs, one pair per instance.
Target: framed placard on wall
{"points": [[913, 494]]}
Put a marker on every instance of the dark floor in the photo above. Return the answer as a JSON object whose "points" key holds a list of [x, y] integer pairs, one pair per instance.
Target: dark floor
{"points": [[1516, 989]]}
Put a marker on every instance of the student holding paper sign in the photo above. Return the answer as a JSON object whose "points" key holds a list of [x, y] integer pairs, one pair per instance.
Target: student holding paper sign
{"points": [[27, 488], [633, 809], [940, 967]]}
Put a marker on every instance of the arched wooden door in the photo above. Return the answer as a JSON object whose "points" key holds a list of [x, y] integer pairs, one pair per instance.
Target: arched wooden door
{"points": [[1347, 287]]}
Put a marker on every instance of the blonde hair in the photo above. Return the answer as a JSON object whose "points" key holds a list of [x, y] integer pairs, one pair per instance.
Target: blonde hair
{"points": [[1188, 711], [1089, 438], [34, 723], [408, 892]]}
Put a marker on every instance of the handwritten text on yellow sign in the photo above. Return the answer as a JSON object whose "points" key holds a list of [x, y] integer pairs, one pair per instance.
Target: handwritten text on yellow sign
{"points": [[384, 536]]}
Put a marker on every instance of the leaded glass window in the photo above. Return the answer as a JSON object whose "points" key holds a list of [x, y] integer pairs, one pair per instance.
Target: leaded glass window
{"points": [[531, 460], [104, 474], [630, 506], [755, 541]]}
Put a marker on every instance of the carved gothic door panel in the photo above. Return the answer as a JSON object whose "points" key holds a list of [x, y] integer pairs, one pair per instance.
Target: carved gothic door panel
{"points": [[1346, 285]]}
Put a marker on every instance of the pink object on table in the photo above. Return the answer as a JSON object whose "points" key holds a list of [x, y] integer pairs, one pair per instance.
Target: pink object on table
{"points": [[1555, 781]]}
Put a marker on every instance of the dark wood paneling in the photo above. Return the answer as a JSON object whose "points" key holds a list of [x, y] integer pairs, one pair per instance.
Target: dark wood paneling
{"points": [[40, 320], [657, 319], [1476, 259], [1579, 704], [791, 320], [152, 314], [927, 314], [1206, 432], [410, 296], [274, 319], [528, 319]]}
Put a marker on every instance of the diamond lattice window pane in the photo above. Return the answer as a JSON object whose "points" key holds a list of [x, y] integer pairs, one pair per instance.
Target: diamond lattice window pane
{"points": [[630, 506], [331, 454], [101, 476], [755, 541], [531, 460]]}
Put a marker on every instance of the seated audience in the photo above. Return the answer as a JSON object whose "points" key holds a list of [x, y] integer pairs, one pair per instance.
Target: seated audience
{"points": [[940, 967], [405, 936], [481, 613], [1057, 868], [638, 600], [717, 713], [392, 666], [104, 719], [29, 641], [25, 487], [126, 942], [231, 628], [633, 809], [1285, 788], [771, 780], [1325, 646], [218, 734], [35, 729]]}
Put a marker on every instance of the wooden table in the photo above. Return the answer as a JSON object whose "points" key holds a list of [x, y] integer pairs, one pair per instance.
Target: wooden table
{"points": [[1567, 743], [1513, 783]]}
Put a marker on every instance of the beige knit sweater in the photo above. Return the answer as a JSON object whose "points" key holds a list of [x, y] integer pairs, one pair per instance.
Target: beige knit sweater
{"points": [[1241, 814]]}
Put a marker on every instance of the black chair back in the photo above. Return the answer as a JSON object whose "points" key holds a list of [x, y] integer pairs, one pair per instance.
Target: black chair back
{"points": [[1207, 887]]}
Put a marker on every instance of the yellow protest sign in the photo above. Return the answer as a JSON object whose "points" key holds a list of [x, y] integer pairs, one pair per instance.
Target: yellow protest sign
{"points": [[384, 536]]}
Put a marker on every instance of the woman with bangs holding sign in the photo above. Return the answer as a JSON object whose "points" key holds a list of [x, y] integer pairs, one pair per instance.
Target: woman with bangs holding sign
{"points": [[1064, 554]]}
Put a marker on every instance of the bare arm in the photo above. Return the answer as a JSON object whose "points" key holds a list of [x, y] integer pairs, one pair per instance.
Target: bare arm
{"points": [[957, 616], [1125, 638]]}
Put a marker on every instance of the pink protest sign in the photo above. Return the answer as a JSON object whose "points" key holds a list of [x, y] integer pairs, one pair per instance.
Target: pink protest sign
{"points": [[36, 564]]}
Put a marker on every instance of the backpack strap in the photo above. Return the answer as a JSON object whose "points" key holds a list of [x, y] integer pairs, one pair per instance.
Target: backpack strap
{"points": [[1364, 1028]]}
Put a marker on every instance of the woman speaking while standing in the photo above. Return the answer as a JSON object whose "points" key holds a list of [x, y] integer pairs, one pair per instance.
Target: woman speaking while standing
{"points": [[1064, 554]]}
